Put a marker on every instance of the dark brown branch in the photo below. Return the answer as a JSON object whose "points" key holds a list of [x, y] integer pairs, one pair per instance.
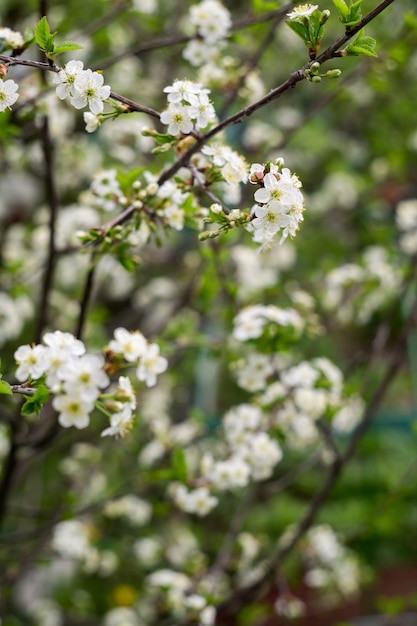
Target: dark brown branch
{"points": [[52, 200], [253, 62], [134, 106], [86, 297]]}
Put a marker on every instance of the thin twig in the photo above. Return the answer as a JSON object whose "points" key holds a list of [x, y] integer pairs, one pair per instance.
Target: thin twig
{"points": [[86, 296], [201, 182]]}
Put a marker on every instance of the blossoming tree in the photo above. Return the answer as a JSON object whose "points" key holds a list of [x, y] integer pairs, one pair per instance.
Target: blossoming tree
{"points": [[174, 354]]}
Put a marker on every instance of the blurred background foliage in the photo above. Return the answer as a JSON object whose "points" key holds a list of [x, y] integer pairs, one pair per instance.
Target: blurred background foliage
{"points": [[353, 142]]}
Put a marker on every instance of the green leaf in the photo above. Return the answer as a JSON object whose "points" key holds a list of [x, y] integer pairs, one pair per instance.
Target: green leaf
{"points": [[300, 29], [362, 45], [179, 464], [34, 403], [342, 7], [5, 388], [349, 14], [67, 46], [43, 36]]}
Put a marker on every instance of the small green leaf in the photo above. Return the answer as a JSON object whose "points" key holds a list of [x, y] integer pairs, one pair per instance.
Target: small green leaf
{"points": [[342, 7], [67, 46], [34, 403], [361, 45], [43, 36], [5, 388], [349, 14], [300, 29]]}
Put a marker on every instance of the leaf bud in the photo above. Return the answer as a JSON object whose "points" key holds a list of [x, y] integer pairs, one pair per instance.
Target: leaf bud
{"points": [[333, 73], [324, 16]]}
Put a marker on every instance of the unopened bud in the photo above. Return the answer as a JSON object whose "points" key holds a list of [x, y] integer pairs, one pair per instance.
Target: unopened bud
{"points": [[3, 70], [234, 214], [333, 73], [216, 208], [324, 16], [152, 188], [314, 67], [316, 79]]}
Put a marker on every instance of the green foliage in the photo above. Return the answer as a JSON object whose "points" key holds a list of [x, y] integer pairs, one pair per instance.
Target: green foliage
{"points": [[179, 465], [361, 46], [46, 40], [5, 388], [350, 14], [34, 404], [310, 29]]}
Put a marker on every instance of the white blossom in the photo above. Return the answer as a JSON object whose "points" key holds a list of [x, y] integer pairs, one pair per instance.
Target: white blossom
{"points": [[211, 19], [32, 362], [65, 78], [303, 10], [73, 411], [132, 345], [88, 90], [71, 539], [8, 93], [10, 38], [151, 364]]}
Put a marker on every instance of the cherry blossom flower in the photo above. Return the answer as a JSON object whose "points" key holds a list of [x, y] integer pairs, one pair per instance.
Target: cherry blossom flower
{"points": [[303, 10], [120, 423], [88, 90], [8, 93], [132, 345], [211, 19], [151, 364], [64, 79], [32, 362], [178, 120], [73, 411]]}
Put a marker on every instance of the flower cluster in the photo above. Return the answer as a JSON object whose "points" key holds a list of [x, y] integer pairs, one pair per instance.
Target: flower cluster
{"points": [[189, 107], [232, 165], [331, 565], [280, 203], [212, 21], [83, 87], [251, 321], [106, 190], [76, 378], [180, 598], [10, 39], [300, 394], [355, 291], [8, 93], [250, 455], [135, 510], [134, 348], [73, 376], [198, 501]]}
